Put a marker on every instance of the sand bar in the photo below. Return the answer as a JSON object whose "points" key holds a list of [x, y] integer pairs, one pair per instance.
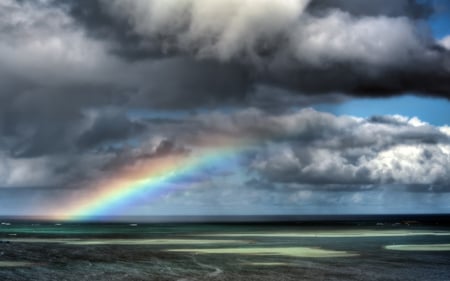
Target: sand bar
{"points": [[299, 252], [419, 247], [6, 264], [267, 264]]}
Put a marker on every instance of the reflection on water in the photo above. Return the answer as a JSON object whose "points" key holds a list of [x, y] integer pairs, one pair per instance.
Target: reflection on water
{"points": [[219, 252]]}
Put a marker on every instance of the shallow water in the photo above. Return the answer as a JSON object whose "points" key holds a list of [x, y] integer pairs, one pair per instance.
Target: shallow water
{"points": [[30, 251]]}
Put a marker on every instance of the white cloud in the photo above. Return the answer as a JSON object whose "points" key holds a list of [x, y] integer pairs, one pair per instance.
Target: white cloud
{"points": [[411, 164], [445, 42], [341, 37], [445, 130], [320, 148]]}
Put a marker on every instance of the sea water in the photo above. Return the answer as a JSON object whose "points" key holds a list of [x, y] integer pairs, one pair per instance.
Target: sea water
{"points": [[130, 251]]}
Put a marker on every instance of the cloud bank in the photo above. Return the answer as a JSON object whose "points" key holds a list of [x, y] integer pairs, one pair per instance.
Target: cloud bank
{"points": [[304, 147], [320, 148]]}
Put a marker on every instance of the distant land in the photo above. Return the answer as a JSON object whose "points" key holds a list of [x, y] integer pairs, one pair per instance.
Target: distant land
{"points": [[428, 219]]}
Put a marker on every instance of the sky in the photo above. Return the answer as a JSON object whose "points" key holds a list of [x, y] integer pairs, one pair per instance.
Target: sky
{"points": [[223, 107]]}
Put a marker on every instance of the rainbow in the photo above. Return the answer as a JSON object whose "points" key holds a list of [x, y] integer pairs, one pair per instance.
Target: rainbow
{"points": [[150, 180]]}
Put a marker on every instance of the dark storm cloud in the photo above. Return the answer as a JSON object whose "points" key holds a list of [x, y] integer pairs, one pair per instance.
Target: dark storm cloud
{"points": [[186, 54], [407, 8], [153, 149], [273, 99], [369, 49], [40, 121], [108, 125], [99, 23], [181, 82], [49, 72]]}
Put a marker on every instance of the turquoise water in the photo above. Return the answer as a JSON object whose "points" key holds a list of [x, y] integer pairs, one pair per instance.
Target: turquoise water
{"points": [[31, 251]]}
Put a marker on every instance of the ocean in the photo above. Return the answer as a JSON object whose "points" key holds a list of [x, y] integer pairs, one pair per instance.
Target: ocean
{"points": [[355, 250]]}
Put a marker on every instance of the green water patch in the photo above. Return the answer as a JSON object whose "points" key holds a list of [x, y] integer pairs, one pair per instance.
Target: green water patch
{"points": [[12, 264], [334, 234], [127, 241], [420, 247], [297, 252]]}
